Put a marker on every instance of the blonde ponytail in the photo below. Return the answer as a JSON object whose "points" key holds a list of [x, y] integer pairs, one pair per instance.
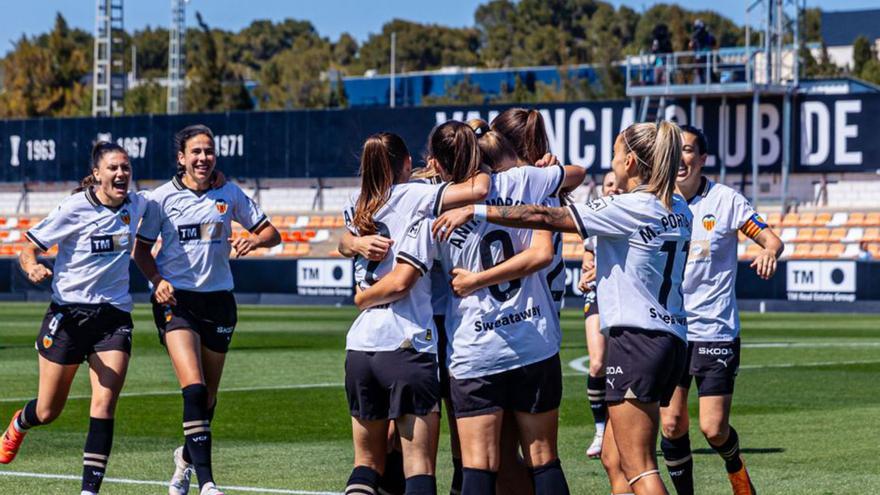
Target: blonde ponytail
{"points": [[657, 148]]}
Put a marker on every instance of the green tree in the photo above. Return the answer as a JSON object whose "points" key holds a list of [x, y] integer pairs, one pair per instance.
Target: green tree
{"points": [[147, 98], [464, 92], [296, 77], [871, 71], [420, 47], [862, 53]]}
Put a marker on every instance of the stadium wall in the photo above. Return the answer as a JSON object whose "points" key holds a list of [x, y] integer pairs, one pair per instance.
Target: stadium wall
{"points": [[831, 286], [834, 135]]}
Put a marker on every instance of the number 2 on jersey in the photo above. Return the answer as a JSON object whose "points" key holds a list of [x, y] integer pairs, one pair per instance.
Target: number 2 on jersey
{"points": [[671, 250]]}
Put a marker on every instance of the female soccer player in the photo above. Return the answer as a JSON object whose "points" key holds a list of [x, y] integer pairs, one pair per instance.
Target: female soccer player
{"points": [[643, 238], [713, 320], [505, 337], [407, 393], [595, 338], [89, 318], [193, 305]]}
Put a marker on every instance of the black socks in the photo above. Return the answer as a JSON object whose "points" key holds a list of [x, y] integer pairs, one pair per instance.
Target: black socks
{"points": [[677, 453], [197, 430], [478, 482], [596, 394], [421, 484], [729, 451], [363, 481], [28, 417], [96, 452], [549, 479]]}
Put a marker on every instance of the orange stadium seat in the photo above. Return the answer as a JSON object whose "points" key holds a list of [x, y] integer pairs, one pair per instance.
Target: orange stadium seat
{"points": [[807, 219], [855, 219], [872, 234], [774, 219], [872, 219], [821, 234], [804, 235], [823, 219], [286, 237], [790, 220], [874, 249], [801, 251], [277, 221], [289, 221], [302, 249], [819, 251], [837, 234], [338, 222], [836, 250]]}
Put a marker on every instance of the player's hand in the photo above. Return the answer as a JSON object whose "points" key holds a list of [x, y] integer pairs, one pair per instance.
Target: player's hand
{"points": [[164, 293], [243, 245], [372, 247], [765, 264], [36, 273], [463, 282], [446, 223], [547, 160]]}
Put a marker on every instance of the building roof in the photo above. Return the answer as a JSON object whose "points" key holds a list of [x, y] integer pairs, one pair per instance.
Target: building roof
{"points": [[843, 27]]}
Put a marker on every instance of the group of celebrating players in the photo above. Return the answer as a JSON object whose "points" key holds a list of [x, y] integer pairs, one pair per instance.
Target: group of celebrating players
{"points": [[460, 280]]}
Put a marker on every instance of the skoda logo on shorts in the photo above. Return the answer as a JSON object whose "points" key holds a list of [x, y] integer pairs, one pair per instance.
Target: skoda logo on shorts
{"points": [[225, 330], [715, 351]]}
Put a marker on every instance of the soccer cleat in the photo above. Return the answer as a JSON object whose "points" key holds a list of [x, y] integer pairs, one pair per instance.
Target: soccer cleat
{"points": [[210, 489], [183, 471], [594, 451], [741, 482], [11, 441]]}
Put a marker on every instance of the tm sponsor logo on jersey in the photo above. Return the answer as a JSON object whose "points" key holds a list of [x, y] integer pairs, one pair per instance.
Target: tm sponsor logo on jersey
{"points": [[508, 319], [666, 318], [663, 224], [204, 232]]}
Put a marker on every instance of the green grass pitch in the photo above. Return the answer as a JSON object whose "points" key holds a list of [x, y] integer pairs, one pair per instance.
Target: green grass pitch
{"points": [[806, 408]]}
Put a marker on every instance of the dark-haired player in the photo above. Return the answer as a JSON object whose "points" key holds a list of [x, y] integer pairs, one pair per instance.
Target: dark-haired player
{"points": [[89, 318], [720, 213]]}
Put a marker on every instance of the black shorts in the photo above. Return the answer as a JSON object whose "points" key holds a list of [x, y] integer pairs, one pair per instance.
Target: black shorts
{"points": [[212, 315], [442, 342], [591, 303], [715, 366], [71, 332], [642, 364], [534, 388], [390, 384]]}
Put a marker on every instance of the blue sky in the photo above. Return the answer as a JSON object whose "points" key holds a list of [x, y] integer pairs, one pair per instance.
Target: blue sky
{"points": [[331, 17]]}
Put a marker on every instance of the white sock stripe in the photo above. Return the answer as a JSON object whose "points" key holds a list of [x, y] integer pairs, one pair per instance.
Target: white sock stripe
{"points": [[198, 422], [643, 475], [97, 457], [359, 488], [678, 462], [200, 429], [102, 465], [731, 452], [592, 391]]}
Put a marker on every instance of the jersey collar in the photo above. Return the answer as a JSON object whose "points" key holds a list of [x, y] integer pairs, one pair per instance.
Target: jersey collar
{"points": [[92, 198], [180, 186], [705, 185]]}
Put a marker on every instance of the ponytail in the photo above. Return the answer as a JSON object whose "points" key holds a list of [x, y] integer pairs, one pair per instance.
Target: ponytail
{"points": [[454, 145], [525, 130], [100, 149], [382, 162], [495, 150], [657, 149]]}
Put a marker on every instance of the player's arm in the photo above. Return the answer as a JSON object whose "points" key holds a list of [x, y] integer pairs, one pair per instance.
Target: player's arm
{"points": [[574, 176], [588, 271], [36, 272], [264, 235], [372, 247], [392, 287], [556, 219], [536, 257], [146, 263], [772, 246], [468, 192]]}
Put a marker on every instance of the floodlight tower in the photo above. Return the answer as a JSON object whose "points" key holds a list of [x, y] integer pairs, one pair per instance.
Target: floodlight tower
{"points": [[176, 68], [107, 90]]}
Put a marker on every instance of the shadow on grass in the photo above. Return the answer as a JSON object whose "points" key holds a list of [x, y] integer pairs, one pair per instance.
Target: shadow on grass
{"points": [[770, 450]]}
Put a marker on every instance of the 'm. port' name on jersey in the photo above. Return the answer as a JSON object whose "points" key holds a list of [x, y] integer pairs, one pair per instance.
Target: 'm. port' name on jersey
{"points": [[666, 223]]}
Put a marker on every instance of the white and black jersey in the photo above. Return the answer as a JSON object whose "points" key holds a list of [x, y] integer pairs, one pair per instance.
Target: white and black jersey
{"points": [[710, 278], [195, 229], [509, 325], [642, 250], [407, 322], [94, 248], [555, 273]]}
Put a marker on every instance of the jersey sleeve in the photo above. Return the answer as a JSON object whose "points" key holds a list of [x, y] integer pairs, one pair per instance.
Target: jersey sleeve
{"points": [[605, 217], [418, 247], [247, 213], [348, 215], [543, 182], [744, 218], [151, 223], [60, 223]]}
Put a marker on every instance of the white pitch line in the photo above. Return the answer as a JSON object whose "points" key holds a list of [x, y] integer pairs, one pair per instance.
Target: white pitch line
{"points": [[151, 393], [581, 368], [125, 481]]}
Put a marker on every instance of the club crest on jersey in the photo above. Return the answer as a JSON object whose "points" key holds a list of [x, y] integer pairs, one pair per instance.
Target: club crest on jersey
{"points": [[221, 206], [709, 222], [125, 216]]}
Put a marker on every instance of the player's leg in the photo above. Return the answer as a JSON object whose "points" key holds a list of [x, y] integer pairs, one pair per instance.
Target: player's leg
{"points": [[393, 480], [675, 442], [370, 442], [480, 437], [611, 463], [538, 435], [454, 447], [636, 440], [723, 438], [418, 440], [107, 371], [596, 380], [514, 476], [54, 387]]}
